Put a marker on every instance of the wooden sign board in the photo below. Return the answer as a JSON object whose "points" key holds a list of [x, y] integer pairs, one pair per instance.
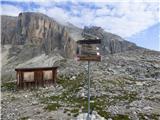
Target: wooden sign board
{"points": [[89, 58], [88, 50]]}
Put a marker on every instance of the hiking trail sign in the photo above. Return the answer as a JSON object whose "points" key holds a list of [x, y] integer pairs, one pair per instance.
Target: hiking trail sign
{"points": [[88, 50]]}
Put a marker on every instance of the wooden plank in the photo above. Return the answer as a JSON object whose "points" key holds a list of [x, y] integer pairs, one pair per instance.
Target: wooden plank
{"points": [[22, 82], [17, 83], [36, 82], [20, 77], [41, 78], [89, 41], [53, 76], [89, 58]]}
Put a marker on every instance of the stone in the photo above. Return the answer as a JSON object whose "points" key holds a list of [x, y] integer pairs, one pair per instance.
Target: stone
{"points": [[34, 102], [94, 116]]}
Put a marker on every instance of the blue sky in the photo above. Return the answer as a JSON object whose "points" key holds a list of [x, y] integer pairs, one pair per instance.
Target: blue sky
{"points": [[125, 18]]}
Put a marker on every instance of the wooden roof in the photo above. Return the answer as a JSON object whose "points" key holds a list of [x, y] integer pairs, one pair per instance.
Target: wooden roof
{"points": [[34, 69]]}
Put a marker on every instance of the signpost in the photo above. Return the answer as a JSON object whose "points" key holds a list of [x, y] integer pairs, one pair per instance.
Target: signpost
{"points": [[88, 50]]}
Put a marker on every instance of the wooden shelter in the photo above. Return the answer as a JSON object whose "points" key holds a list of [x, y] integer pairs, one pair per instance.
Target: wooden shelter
{"points": [[35, 77]]}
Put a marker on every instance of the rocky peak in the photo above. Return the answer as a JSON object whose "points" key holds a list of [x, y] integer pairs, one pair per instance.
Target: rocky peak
{"points": [[39, 30], [111, 43], [36, 28], [47, 35]]}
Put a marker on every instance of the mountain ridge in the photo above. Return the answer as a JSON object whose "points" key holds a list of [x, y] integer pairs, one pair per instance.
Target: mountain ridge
{"points": [[46, 33]]}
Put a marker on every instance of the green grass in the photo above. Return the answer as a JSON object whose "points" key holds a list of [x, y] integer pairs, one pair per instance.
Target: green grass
{"points": [[75, 115], [121, 117], [69, 98], [130, 97], [66, 110], [75, 110], [69, 114], [104, 114], [13, 98], [151, 116], [71, 85], [52, 106], [24, 118], [9, 86]]}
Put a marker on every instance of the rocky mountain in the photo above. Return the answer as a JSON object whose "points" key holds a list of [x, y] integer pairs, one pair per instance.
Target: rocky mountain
{"points": [[33, 34], [8, 25], [38, 30], [47, 35], [124, 85], [110, 43]]}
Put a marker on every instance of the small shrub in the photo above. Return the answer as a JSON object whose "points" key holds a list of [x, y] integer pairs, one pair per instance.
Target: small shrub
{"points": [[24, 118], [121, 117], [104, 114], [74, 111], [65, 110], [127, 96], [151, 116], [13, 98], [52, 107], [69, 114], [75, 115], [9, 86]]}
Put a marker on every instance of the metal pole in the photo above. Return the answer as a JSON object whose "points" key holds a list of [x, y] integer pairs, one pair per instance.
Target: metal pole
{"points": [[88, 116]]}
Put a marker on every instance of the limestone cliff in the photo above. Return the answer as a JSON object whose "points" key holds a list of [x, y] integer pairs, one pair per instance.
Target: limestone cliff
{"points": [[42, 34], [8, 26], [110, 43], [40, 31]]}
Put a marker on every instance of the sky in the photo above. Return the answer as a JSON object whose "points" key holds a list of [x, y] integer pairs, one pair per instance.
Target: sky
{"points": [[125, 18]]}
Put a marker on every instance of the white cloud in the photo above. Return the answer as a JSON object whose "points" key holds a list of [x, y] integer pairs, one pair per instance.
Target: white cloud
{"points": [[58, 13], [82, 0], [124, 18], [10, 10], [127, 18], [41, 10], [103, 11], [137, 16]]}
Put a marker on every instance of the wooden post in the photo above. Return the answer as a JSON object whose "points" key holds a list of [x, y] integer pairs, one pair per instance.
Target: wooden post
{"points": [[53, 76], [22, 79], [17, 77]]}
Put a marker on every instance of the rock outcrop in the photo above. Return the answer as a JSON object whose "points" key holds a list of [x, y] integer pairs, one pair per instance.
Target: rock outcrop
{"points": [[8, 26], [110, 43], [124, 86], [46, 35], [40, 31]]}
